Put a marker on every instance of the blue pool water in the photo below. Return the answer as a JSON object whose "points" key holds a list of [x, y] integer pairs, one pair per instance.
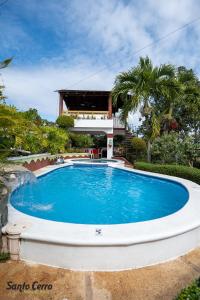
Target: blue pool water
{"points": [[99, 195]]}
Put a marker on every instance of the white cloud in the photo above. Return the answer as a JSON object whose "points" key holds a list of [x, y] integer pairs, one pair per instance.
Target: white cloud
{"points": [[35, 87], [107, 33]]}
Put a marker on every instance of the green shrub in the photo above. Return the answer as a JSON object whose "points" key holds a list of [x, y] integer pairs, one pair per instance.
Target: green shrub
{"points": [[65, 121], [192, 292], [138, 144], [197, 163], [4, 256], [81, 140], [174, 148], [189, 173], [54, 140]]}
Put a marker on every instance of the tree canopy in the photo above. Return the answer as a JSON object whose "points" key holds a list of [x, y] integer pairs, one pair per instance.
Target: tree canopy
{"points": [[65, 122], [168, 98]]}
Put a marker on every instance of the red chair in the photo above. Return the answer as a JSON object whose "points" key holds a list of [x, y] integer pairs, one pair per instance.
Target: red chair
{"points": [[95, 153]]}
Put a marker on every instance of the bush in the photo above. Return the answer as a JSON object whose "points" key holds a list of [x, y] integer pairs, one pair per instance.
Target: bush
{"points": [[81, 140], [4, 256], [55, 139], [174, 148], [189, 173], [65, 122], [197, 163], [138, 149], [192, 292], [138, 144]]}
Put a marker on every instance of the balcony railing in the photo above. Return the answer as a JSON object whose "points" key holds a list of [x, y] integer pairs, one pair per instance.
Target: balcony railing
{"points": [[117, 123], [87, 115], [95, 115]]}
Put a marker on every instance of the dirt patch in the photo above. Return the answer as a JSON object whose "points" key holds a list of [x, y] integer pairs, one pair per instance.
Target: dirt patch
{"points": [[162, 281]]}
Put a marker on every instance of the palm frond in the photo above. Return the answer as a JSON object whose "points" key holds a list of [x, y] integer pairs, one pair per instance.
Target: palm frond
{"points": [[5, 63]]}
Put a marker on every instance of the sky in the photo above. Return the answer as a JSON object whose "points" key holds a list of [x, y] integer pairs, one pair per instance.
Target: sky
{"points": [[80, 44]]}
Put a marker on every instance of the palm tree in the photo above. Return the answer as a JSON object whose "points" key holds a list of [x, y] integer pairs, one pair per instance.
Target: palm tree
{"points": [[138, 88], [189, 102], [179, 93], [5, 63]]}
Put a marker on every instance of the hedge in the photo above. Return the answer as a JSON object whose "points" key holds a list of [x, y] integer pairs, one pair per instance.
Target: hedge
{"points": [[189, 173], [192, 292]]}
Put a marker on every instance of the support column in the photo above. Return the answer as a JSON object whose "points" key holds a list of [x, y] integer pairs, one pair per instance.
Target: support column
{"points": [[109, 145], [61, 105], [110, 106]]}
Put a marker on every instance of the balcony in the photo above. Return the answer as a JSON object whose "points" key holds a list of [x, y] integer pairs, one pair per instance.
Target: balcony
{"points": [[94, 121], [91, 121]]}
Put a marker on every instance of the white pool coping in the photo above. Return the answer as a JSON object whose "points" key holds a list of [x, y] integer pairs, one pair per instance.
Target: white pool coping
{"points": [[82, 161], [163, 230]]}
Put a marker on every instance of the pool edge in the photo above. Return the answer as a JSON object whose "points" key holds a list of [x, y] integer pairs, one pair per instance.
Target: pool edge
{"points": [[187, 235]]}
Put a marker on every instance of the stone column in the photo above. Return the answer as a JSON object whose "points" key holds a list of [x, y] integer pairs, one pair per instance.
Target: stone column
{"points": [[13, 232], [60, 105], [109, 145]]}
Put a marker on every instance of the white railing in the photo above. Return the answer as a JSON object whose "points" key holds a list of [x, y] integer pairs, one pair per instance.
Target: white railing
{"points": [[117, 123], [87, 115]]}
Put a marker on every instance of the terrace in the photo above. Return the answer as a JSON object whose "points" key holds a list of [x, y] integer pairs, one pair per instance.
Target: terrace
{"points": [[93, 112]]}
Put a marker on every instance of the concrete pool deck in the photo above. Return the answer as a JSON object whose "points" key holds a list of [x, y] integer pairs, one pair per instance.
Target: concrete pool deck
{"points": [[158, 282]]}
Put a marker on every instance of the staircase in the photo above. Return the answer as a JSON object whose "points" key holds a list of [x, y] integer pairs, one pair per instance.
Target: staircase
{"points": [[128, 145]]}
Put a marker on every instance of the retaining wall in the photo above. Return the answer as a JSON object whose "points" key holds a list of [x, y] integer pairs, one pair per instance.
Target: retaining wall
{"points": [[35, 162]]}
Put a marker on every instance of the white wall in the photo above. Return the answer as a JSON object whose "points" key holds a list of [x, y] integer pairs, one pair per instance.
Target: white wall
{"points": [[93, 123]]}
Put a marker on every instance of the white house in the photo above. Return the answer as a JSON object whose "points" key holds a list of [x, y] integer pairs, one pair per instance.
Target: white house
{"points": [[93, 112]]}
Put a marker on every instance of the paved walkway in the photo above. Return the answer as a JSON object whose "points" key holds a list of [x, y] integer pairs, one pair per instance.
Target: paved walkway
{"points": [[161, 282]]}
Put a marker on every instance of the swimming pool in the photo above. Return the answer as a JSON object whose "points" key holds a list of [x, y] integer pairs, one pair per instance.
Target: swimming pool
{"points": [[103, 217], [99, 195]]}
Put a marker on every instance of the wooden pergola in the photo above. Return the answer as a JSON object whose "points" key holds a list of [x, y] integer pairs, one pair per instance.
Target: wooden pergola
{"points": [[88, 101]]}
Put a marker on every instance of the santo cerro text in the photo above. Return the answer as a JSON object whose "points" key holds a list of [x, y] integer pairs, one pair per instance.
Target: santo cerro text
{"points": [[34, 286]]}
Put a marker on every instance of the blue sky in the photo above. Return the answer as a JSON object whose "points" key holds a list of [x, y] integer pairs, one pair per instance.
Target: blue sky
{"points": [[60, 44]]}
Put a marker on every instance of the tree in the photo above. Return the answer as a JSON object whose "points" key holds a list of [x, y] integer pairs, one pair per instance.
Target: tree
{"points": [[187, 108], [175, 148], [21, 130], [138, 88], [33, 116], [65, 122], [2, 97], [178, 104], [16, 131], [56, 139], [9, 124], [3, 64]]}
